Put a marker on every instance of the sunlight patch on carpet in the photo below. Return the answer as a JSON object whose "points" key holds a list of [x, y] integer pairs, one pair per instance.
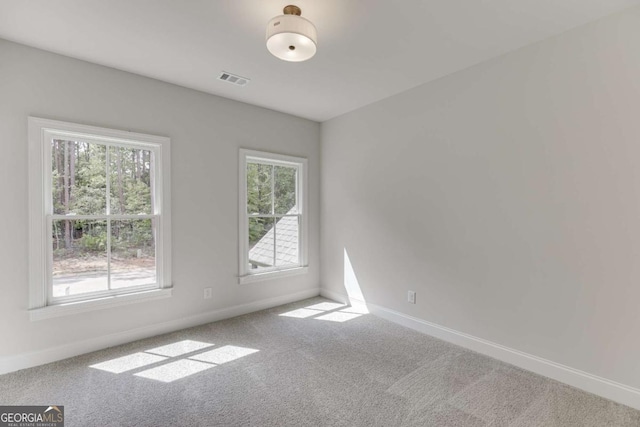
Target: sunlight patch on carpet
{"points": [[338, 316], [175, 370], [332, 311], [301, 313], [127, 363], [356, 308], [224, 354], [179, 348], [326, 306]]}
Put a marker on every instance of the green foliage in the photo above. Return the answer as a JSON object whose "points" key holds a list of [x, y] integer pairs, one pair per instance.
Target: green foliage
{"points": [[285, 189], [94, 243], [270, 190], [259, 188], [82, 192], [79, 186], [138, 197], [258, 227], [256, 230], [129, 236]]}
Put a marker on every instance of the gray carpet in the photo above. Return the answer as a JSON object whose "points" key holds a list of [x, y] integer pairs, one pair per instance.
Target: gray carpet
{"points": [[311, 363]]}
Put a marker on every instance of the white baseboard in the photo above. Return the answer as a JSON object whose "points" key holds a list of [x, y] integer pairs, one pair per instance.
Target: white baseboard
{"points": [[603, 387], [36, 358]]}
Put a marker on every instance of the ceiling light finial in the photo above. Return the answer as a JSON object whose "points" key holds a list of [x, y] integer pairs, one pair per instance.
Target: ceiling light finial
{"points": [[291, 37], [292, 10]]}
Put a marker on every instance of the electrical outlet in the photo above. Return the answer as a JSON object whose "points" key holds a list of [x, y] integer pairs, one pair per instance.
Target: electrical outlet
{"points": [[411, 297], [208, 293]]}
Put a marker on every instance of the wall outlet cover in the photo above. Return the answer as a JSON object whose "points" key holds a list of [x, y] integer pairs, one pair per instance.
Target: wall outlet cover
{"points": [[411, 297]]}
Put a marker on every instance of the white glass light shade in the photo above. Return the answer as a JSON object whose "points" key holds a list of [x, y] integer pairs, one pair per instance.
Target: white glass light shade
{"points": [[291, 38]]}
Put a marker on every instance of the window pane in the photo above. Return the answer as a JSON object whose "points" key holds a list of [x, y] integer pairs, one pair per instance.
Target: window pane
{"points": [[285, 190], [259, 188], [133, 253], [78, 181], [260, 243], [79, 257], [287, 241], [130, 171]]}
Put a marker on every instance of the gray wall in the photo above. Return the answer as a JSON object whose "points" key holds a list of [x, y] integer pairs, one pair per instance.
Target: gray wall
{"points": [[206, 132], [507, 195]]}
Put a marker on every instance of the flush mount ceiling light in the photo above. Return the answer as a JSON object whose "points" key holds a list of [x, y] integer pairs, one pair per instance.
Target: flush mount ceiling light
{"points": [[291, 37]]}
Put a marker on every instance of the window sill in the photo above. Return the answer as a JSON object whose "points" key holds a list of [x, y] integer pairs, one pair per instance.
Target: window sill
{"points": [[97, 304], [259, 277]]}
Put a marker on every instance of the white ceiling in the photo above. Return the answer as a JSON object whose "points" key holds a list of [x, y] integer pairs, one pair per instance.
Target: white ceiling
{"points": [[367, 49]]}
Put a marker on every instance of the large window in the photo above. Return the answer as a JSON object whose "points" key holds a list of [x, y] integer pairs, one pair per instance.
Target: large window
{"points": [[272, 215], [99, 215]]}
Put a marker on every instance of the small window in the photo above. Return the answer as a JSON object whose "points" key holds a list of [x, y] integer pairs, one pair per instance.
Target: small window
{"points": [[272, 215], [99, 214]]}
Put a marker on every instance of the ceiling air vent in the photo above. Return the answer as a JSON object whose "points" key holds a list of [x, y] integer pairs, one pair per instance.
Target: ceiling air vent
{"points": [[233, 78]]}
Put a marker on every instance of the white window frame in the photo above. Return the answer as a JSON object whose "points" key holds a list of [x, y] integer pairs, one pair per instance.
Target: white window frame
{"points": [[42, 304], [300, 163]]}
